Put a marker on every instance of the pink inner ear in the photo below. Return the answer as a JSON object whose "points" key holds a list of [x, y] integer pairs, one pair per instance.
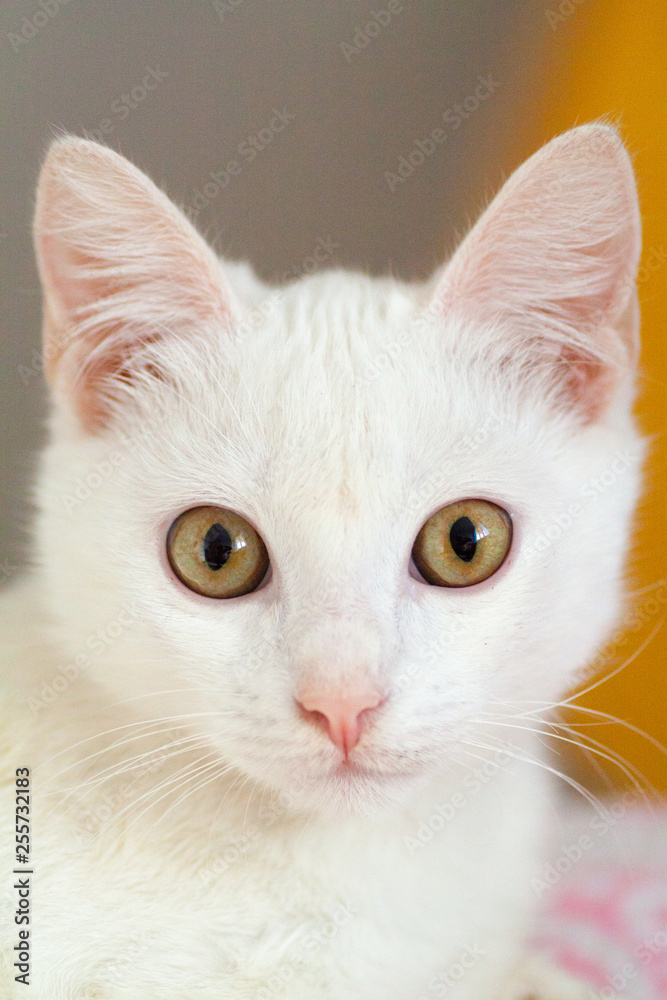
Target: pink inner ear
{"points": [[120, 265], [555, 258], [587, 384]]}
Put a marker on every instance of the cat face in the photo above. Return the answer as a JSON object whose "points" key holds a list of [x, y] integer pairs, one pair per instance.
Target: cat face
{"points": [[324, 425]]}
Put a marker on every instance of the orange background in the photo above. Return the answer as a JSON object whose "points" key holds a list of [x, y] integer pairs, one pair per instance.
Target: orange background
{"points": [[610, 59]]}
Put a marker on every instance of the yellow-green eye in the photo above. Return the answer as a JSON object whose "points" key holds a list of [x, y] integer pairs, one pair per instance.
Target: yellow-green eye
{"points": [[215, 552], [463, 543]]}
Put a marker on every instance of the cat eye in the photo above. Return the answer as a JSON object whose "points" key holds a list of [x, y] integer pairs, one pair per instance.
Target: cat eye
{"points": [[463, 543], [216, 552]]}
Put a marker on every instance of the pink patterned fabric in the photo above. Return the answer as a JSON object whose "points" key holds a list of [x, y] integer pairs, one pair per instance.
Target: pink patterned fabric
{"points": [[604, 895]]}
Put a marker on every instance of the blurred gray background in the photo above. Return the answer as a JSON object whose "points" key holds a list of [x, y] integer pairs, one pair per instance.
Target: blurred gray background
{"points": [[218, 71]]}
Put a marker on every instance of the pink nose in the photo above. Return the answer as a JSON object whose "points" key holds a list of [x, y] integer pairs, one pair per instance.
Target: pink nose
{"points": [[340, 715]]}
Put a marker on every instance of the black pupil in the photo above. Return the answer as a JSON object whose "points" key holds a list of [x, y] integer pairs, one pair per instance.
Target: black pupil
{"points": [[217, 546], [463, 538]]}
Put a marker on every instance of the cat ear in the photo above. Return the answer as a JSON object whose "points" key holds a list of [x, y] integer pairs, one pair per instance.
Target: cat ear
{"points": [[120, 266], [554, 259]]}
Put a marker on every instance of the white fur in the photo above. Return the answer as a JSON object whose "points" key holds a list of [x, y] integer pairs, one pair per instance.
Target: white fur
{"points": [[337, 421]]}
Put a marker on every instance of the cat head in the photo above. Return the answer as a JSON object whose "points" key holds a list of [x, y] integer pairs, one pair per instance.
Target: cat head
{"points": [[343, 528]]}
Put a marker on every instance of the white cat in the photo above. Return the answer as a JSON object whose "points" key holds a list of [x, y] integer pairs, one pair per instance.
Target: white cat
{"points": [[307, 563]]}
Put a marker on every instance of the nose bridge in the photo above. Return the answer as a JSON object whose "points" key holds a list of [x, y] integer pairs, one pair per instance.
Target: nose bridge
{"points": [[340, 624], [340, 560], [339, 616], [340, 650]]}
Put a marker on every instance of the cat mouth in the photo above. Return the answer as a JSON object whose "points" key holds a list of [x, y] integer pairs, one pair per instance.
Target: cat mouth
{"points": [[357, 787], [348, 770]]}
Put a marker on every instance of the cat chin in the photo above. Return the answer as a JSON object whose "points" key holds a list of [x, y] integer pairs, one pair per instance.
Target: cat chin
{"points": [[354, 797]]}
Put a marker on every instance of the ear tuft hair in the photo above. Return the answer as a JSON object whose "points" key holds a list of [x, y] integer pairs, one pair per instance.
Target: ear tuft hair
{"points": [[120, 267], [554, 258]]}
